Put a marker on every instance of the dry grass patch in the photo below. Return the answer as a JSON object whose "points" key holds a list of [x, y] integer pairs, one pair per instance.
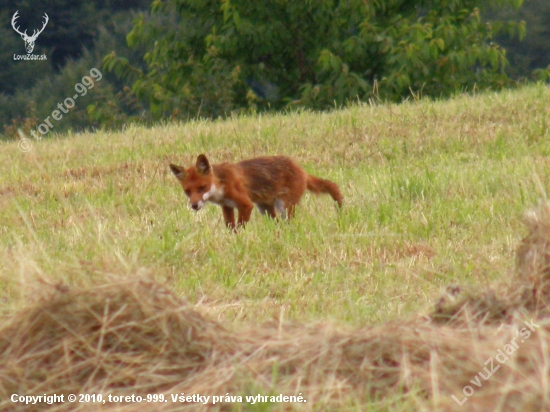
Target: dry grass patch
{"points": [[134, 336]]}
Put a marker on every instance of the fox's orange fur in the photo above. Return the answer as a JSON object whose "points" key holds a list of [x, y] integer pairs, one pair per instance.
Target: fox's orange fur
{"points": [[275, 184]]}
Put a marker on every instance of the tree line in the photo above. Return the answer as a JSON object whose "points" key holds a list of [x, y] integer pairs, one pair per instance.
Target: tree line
{"points": [[182, 59]]}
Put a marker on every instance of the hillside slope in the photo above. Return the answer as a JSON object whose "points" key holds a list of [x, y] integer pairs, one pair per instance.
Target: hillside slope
{"points": [[432, 195]]}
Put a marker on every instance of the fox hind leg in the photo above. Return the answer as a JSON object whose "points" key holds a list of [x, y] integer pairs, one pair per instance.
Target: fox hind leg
{"points": [[290, 210], [290, 199], [265, 208], [285, 209], [279, 205]]}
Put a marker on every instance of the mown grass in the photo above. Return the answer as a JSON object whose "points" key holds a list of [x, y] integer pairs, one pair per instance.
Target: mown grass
{"points": [[433, 193]]}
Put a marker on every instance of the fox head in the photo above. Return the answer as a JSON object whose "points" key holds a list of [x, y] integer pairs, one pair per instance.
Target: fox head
{"points": [[197, 181]]}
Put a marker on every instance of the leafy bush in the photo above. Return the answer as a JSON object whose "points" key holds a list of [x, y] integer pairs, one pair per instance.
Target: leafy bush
{"points": [[216, 56]]}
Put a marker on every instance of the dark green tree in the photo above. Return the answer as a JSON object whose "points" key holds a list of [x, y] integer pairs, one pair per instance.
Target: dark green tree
{"points": [[531, 56], [80, 35], [215, 56]]}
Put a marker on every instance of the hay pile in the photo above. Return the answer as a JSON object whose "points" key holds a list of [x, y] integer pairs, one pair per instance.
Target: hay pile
{"points": [[125, 335], [528, 290], [136, 337]]}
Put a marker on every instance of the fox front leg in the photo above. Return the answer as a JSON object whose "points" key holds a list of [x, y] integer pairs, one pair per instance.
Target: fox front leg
{"points": [[245, 210], [229, 217]]}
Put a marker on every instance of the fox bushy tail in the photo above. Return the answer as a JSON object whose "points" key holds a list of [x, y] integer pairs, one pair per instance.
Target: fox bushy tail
{"points": [[318, 185]]}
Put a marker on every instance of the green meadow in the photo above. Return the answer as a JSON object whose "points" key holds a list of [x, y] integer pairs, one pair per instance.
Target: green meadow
{"points": [[434, 193]]}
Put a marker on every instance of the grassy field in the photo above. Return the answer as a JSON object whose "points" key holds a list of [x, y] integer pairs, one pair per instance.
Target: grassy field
{"points": [[433, 195], [432, 192]]}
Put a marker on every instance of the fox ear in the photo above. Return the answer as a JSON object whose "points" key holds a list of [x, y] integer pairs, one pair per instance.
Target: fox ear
{"points": [[202, 165], [178, 171]]}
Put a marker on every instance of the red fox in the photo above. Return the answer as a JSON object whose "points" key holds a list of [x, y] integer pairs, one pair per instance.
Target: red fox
{"points": [[273, 183]]}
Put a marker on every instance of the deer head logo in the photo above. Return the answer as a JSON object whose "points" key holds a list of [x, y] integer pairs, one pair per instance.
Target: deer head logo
{"points": [[29, 40]]}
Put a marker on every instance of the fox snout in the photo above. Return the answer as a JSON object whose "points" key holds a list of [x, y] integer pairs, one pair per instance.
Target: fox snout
{"points": [[197, 206]]}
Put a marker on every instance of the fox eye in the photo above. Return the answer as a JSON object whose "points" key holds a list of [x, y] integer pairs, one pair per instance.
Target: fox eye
{"points": [[187, 192], [202, 189]]}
